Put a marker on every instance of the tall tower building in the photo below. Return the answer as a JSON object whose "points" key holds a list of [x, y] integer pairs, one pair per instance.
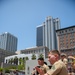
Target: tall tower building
{"points": [[8, 42], [49, 33], [39, 38]]}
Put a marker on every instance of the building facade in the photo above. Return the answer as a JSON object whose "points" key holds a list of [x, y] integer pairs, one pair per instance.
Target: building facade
{"points": [[8, 42], [19, 56], [4, 53], [66, 40], [35, 50], [39, 39], [47, 33]]}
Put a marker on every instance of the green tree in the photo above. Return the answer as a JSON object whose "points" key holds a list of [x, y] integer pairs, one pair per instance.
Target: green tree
{"points": [[33, 57], [21, 65], [26, 58], [16, 60], [20, 61], [11, 60], [41, 56], [1, 69], [24, 62]]}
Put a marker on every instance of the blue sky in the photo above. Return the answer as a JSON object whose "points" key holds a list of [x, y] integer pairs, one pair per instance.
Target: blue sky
{"points": [[21, 17]]}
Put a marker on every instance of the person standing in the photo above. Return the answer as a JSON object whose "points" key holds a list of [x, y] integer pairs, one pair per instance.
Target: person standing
{"points": [[71, 60], [42, 65], [64, 59], [58, 67]]}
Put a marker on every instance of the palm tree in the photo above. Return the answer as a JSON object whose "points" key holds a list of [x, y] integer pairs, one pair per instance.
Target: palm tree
{"points": [[20, 61], [12, 60], [33, 57], [16, 60], [26, 58], [41, 56], [9, 61]]}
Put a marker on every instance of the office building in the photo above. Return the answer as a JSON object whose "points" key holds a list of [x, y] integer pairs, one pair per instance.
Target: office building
{"points": [[47, 33], [66, 40], [8, 42], [39, 39], [5, 53]]}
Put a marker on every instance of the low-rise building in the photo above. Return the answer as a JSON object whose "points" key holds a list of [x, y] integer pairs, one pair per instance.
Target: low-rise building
{"points": [[28, 52], [35, 50], [10, 59]]}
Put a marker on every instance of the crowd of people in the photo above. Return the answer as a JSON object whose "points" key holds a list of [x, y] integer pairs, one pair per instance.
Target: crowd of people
{"points": [[61, 64]]}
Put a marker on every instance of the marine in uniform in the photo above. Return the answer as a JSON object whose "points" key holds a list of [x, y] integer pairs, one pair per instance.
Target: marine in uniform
{"points": [[64, 59], [44, 67], [58, 68]]}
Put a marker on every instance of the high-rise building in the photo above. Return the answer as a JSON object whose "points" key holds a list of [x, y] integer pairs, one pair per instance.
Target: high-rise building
{"points": [[39, 38], [8, 42], [48, 30]]}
